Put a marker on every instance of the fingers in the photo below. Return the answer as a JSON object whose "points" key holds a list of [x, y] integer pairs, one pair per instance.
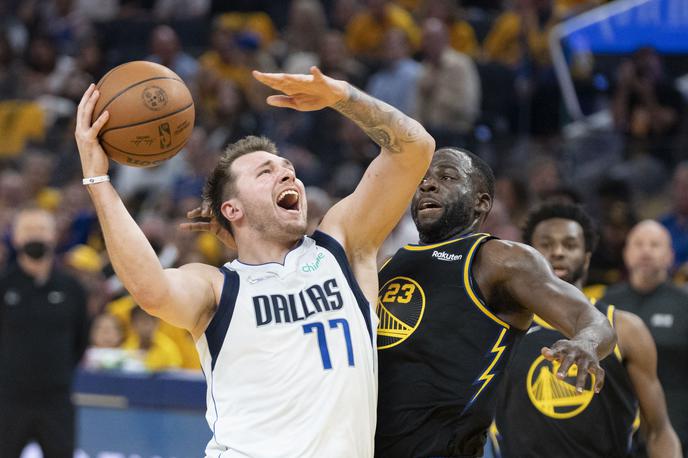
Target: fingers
{"points": [[282, 101], [317, 74], [582, 376], [88, 107], [82, 103], [566, 364], [200, 226], [548, 353], [195, 213], [100, 122], [599, 377]]}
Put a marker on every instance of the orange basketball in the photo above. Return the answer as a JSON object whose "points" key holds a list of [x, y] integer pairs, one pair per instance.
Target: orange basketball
{"points": [[151, 113]]}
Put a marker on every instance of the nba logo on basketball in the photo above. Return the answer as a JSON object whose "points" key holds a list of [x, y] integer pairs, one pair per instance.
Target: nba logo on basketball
{"points": [[165, 135]]}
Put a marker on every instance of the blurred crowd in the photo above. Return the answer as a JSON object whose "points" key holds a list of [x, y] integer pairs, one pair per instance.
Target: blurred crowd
{"points": [[476, 74]]}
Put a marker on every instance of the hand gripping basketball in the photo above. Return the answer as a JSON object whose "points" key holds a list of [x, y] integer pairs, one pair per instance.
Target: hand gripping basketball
{"points": [[94, 161]]}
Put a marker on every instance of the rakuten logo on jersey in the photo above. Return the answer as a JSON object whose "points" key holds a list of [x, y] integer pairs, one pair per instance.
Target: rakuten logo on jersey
{"points": [[444, 256]]}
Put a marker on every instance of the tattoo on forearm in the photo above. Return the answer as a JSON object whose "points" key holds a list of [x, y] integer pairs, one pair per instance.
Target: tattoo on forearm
{"points": [[384, 124]]}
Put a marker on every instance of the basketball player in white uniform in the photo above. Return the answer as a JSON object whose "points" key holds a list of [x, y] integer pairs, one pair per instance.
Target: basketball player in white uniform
{"points": [[285, 332]]}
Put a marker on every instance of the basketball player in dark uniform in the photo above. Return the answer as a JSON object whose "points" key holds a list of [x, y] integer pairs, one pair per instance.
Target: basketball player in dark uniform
{"points": [[451, 310], [539, 415]]}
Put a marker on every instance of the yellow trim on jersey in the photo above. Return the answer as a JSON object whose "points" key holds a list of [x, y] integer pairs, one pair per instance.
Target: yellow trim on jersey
{"points": [[486, 376], [384, 264], [540, 322], [610, 317], [469, 289], [436, 245], [493, 433]]}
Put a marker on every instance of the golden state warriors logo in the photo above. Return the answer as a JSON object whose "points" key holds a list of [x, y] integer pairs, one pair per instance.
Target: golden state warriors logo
{"points": [[553, 397], [400, 307]]}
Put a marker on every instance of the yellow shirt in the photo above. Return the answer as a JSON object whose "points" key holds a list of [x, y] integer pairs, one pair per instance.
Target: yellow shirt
{"points": [[121, 308], [163, 353], [20, 121], [503, 42], [364, 34], [462, 38]]}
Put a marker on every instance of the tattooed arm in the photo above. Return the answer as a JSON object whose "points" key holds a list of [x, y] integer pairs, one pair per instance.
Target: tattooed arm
{"points": [[369, 214], [363, 220]]}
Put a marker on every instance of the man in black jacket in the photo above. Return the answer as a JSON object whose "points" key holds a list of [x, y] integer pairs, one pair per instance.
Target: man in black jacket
{"points": [[43, 334]]}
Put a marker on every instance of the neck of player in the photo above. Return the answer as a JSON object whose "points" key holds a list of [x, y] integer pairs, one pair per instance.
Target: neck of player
{"points": [[252, 249]]}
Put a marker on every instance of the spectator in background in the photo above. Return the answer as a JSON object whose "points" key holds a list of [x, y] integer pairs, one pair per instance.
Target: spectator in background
{"points": [[43, 334], [397, 80], [366, 32], [157, 351], [646, 106], [37, 169], [334, 59], [10, 69], [449, 88], [167, 50], [86, 265], [518, 41], [343, 12], [301, 38], [104, 351], [663, 307], [461, 34], [514, 193], [166, 10], [676, 222]]}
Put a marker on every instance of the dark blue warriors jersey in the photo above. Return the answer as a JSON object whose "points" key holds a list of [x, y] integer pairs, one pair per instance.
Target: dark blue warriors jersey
{"points": [[539, 415], [441, 351]]}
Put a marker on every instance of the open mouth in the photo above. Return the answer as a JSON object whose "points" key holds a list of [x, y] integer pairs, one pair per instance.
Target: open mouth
{"points": [[428, 205], [288, 200], [560, 271]]}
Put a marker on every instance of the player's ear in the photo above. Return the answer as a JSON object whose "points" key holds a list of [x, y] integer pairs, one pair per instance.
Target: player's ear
{"points": [[586, 262], [483, 203], [231, 209]]}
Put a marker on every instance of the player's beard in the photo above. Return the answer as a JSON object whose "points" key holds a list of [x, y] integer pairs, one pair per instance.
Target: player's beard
{"points": [[263, 221], [454, 220], [575, 274]]}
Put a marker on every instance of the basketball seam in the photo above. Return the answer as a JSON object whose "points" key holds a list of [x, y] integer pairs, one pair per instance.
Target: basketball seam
{"points": [[102, 80], [147, 120], [132, 86], [143, 155]]}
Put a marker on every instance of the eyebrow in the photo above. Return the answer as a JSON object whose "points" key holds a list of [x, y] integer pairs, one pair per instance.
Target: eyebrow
{"points": [[269, 162]]}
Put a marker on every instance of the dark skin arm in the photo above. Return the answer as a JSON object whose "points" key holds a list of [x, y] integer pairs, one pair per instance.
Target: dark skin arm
{"points": [[517, 281], [640, 355]]}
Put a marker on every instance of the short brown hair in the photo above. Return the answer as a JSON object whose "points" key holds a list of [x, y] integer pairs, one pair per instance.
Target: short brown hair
{"points": [[220, 184]]}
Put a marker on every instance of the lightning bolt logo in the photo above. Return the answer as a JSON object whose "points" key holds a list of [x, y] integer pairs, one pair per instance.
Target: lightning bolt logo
{"points": [[487, 375]]}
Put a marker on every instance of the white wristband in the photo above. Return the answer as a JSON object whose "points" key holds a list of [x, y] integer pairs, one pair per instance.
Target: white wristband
{"points": [[94, 180]]}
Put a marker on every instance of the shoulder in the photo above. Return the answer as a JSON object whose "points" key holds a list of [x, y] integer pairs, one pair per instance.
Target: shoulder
{"points": [[509, 255], [504, 260], [202, 270], [634, 337]]}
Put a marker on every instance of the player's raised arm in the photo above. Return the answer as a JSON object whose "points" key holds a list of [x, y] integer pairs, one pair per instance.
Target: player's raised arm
{"points": [[363, 220], [184, 297], [517, 274]]}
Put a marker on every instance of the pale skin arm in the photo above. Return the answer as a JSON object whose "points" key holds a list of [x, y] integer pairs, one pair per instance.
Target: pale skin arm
{"points": [[640, 354], [185, 297], [363, 220]]}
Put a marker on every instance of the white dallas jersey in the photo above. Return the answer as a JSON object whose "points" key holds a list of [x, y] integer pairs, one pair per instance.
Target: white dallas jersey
{"points": [[289, 359]]}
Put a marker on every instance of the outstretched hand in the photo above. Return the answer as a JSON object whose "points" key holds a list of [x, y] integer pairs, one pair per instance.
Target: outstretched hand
{"points": [[570, 352], [303, 92], [94, 161], [206, 222]]}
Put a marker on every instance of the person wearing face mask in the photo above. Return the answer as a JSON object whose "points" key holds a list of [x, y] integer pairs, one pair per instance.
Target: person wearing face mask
{"points": [[43, 334]]}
